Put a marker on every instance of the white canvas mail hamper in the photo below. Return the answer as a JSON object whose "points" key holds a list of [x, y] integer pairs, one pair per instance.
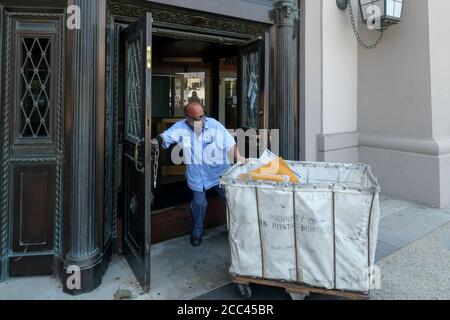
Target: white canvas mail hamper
{"points": [[320, 233]]}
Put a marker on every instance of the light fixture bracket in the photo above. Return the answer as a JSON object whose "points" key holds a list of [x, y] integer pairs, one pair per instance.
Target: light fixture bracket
{"points": [[346, 4], [342, 4]]}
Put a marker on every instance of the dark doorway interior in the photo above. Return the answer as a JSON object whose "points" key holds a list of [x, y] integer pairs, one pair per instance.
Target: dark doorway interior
{"points": [[182, 69]]}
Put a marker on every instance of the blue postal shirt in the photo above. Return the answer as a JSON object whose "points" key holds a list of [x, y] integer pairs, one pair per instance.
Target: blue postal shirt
{"points": [[205, 155]]}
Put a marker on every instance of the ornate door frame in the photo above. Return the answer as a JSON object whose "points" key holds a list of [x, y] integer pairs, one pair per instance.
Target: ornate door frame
{"points": [[187, 21], [3, 217], [167, 20]]}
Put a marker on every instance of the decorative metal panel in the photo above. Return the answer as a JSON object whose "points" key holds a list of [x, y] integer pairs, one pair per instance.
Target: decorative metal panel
{"points": [[117, 152], [134, 90], [33, 65], [188, 19], [251, 83], [109, 131], [112, 151], [4, 195], [35, 72]]}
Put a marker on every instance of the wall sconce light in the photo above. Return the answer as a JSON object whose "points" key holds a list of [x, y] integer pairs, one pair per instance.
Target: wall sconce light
{"points": [[376, 14]]}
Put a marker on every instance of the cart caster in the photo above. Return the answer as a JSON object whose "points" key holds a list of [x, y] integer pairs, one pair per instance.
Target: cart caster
{"points": [[245, 292], [297, 296]]}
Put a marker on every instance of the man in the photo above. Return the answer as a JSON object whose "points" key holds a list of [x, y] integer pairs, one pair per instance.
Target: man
{"points": [[194, 97], [207, 148]]}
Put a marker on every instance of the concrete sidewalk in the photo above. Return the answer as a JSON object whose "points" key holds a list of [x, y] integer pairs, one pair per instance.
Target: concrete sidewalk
{"points": [[413, 254]]}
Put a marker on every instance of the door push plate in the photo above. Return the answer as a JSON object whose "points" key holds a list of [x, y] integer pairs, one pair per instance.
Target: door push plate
{"points": [[149, 57]]}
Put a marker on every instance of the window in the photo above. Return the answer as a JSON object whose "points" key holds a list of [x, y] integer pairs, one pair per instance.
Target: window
{"points": [[35, 72], [251, 83], [134, 90]]}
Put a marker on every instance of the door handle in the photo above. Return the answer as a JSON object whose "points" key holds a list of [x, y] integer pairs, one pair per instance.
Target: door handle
{"points": [[149, 57], [138, 164]]}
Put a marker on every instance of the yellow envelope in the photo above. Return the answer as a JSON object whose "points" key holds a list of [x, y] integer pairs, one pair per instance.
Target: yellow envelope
{"points": [[270, 171], [264, 177]]}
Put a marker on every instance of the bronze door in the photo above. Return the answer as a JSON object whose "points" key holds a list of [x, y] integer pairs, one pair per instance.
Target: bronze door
{"points": [[253, 82], [137, 148], [32, 144], [253, 95]]}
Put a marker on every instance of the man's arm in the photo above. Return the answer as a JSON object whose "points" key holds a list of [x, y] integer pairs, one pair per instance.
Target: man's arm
{"points": [[233, 154], [237, 156], [166, 139], [232, 149]]}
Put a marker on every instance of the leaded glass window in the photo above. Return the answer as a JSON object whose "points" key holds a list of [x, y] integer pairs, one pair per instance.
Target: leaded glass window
{"points": [[251, 83], [134, 104], [35, 72]]}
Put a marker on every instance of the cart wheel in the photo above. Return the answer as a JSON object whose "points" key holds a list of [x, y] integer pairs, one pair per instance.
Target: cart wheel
{"points": [[245, 292]]}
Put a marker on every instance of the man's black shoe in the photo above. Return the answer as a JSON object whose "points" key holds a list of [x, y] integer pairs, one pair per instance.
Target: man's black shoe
{"points": [[196, 242]]}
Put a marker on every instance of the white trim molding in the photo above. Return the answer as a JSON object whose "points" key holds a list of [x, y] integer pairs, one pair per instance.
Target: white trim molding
{"points": [[339, 147], [431, 146], [332, 142], [408, 167]]}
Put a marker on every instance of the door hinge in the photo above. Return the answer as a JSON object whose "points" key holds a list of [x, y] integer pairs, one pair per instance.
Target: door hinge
{"points": [[149, 57]]}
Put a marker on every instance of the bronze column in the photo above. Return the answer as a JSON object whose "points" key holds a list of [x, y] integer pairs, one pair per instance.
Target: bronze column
{"points": [[84, 152], [286, 13]]}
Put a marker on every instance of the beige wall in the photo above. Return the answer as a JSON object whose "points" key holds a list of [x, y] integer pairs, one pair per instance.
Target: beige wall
{"points": [[310, 77], [388, 107], [394, 79], [403, 104], [439, 32], [340, 67], [329, 84]]}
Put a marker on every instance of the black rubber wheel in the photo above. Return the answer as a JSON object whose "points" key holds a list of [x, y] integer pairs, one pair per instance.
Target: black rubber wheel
{"points": [[244, 291]]}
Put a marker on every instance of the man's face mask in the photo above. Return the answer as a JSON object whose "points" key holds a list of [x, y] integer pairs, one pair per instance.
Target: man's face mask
{"points": [[198, 127], [197, 123]]}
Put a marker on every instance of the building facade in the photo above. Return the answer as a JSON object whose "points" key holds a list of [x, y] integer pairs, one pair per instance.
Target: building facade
{"points": [[86, 84]]}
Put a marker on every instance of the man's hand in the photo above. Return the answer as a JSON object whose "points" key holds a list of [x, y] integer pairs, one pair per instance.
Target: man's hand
{"points": [[158, 141], [241, 160]]}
